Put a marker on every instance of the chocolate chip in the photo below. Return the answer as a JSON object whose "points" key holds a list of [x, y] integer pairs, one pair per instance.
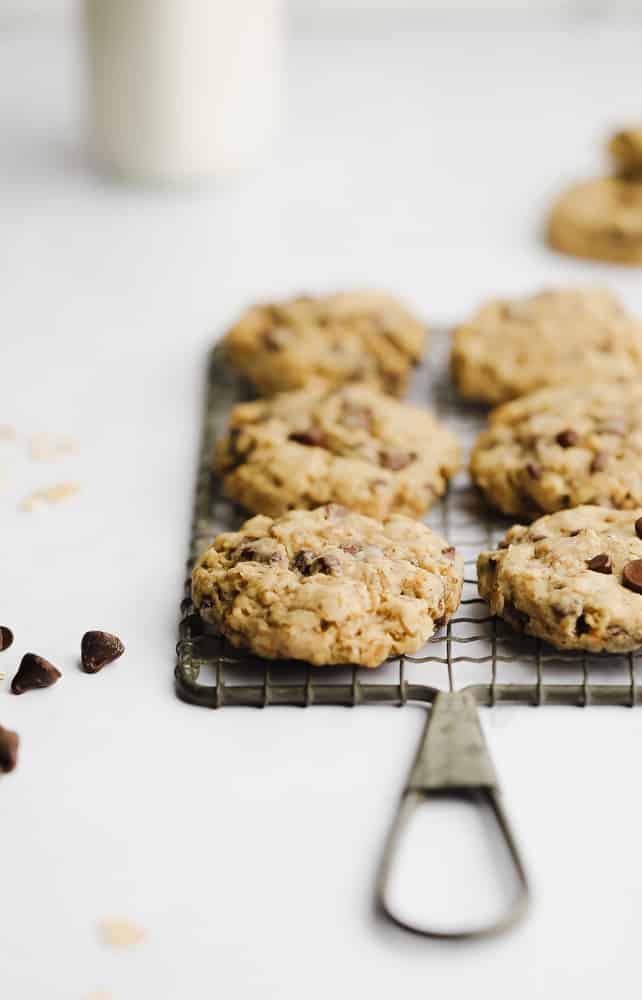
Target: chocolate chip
{"points": [[638, 527], [600, 461], [514, 616], [567, 438], [632, 575], [329, 564], [396, 460], [503, 544], [303, 561], [352, 548], [600, 563], [8, 750], [97, 649], [313, 437], [34, 672], [440, 622], [263, 550], [6, 637], [449, 552], [582, 626], [206, 603], [534, 470], [356, 417], [273, 340]]}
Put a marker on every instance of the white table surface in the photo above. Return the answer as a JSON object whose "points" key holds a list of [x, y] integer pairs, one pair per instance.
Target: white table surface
{"points": [[246, 842]]}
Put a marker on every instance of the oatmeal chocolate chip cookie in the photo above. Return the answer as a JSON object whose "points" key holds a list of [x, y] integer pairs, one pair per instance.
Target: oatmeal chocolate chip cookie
{"points": [[351, 445], [573, 578], [563, 447], [511, 347], [600, 219], [328, 586], [358, 336]]}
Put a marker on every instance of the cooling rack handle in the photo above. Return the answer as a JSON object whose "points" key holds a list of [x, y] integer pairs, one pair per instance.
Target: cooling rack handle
{"points": [[453, 761]]}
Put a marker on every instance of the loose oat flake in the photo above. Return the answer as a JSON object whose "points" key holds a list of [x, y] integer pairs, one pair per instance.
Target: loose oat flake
{"points": [[119, 932], [52, 494], [44, 447]]}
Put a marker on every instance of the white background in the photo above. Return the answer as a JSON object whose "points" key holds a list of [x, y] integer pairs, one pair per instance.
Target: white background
{"points": [[247, 841]]}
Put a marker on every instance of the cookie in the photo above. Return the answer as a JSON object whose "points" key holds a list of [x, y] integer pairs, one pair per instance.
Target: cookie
{"points": [[573, 578], [350, 445], [328, 586], [512, 347], [358, 336], [600, 219], [563, 447]]}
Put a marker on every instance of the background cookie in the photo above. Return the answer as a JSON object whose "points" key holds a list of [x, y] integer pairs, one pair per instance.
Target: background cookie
{"points": [[511, 347], [366, 336], [328, 586], [600, 219], [573, 578], [351, 445], [625, 148], [563, 447]]}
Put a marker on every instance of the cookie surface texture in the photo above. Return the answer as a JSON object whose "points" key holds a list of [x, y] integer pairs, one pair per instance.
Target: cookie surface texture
{"points": [[328, 586], [512, 347], [351, 336], [601, 220], [351, 445], [573, 578], [563, 447]]}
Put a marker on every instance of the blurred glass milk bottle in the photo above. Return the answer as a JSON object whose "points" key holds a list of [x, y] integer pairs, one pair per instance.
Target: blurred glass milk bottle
{"points": [[183, 89]]}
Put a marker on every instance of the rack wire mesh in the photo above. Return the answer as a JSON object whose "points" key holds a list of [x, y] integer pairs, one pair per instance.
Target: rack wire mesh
{"points": [[475, 652]]}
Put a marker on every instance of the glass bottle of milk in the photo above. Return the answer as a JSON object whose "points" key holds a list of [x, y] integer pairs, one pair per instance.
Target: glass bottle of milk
{"points": [[183, 89]]}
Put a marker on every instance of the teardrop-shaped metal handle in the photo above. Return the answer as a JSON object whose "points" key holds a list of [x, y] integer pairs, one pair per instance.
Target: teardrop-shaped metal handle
{"points": [[453, 761]]}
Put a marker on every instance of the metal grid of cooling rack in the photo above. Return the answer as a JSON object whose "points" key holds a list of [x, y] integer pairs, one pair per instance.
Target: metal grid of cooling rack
{"points": [[475, 652]]}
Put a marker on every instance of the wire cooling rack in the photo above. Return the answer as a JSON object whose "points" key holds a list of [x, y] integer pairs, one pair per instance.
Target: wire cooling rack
{"points": [[475, 652]]}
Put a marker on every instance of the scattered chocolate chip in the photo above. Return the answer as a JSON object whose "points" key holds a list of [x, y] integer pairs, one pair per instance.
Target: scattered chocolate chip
{"points": [[313, 437], [440, 622], [600, 563], [449, 552], [567, 438], [638, 527], [352, 548], [97, 649], [34, 672], [329, 564], [600, 461], [8, 750], [514, 616], [303, 561], [6, 637], [356, 417], [632, 575], [396, 460], [534, 470], [582, 626], [335, 510]]}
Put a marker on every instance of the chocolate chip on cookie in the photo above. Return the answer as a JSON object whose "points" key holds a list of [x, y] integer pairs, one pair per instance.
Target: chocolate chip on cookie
{"points": [[632, 575], [600, 563], [567, 438]]}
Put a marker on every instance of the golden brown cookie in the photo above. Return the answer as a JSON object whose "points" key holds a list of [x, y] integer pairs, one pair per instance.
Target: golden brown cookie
{"points": [[352, 336], [350, 445], [328, 586], [601, 220], [514, 346], [573, 578]]}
